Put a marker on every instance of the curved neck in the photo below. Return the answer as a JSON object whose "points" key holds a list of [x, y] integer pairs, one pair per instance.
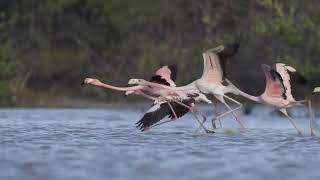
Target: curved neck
{"points": [[248, 96]]}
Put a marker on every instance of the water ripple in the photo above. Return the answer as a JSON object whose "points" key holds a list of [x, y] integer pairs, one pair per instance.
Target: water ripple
{"points": [[104, 144]]}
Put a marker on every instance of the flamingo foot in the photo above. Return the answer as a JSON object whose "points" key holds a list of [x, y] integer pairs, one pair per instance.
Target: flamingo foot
{"points": [[213, 122], [210, 131]]}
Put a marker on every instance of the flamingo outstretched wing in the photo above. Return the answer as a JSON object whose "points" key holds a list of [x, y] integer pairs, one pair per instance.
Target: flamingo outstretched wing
{"points": [[274, 83], [166, 75], [212, 68], [283, 70], [215, 62], [160, 110], [291, 80]]}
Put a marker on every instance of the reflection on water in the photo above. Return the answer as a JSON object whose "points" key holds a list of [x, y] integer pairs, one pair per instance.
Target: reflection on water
{"points": [[104, 144]]}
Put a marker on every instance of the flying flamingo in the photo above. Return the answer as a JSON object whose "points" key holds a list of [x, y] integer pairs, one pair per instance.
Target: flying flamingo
{"points": [[181, 102], [160, 108], [316, 90], [212, 80], [278, 91]]}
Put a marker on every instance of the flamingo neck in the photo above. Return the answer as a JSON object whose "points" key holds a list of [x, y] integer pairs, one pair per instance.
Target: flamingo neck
{"points": [[248, 96], [107, 86], [172, 88]]}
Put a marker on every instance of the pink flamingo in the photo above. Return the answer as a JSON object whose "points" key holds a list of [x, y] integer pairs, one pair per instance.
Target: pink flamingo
{"points": [[278, 91], [212, 80], [182, 103]]}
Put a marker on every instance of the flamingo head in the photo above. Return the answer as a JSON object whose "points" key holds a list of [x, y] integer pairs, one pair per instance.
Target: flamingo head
{"points": [[91, 81], [134, 81]]}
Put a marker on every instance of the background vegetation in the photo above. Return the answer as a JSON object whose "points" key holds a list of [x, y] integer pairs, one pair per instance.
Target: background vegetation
{"points": [[48, 46]]}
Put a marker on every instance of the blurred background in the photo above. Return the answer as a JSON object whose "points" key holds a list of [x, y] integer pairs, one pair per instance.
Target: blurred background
{"points": [[47, 47]]}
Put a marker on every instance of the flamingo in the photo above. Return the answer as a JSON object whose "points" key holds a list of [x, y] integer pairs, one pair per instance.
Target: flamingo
{"points": [[162, 98], [316, 90], [212, 80], [278, 91]]}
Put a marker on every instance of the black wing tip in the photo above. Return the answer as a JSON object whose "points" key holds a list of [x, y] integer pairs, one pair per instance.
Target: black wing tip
{"points": [[235, 45], [158, 79], [82, 83], [140, 125], [230, 49], [298, 78], [226, 49], [174, 70], [301, 79]]}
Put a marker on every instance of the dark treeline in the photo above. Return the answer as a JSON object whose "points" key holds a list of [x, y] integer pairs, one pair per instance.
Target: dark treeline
{"points": [[48, 46]]}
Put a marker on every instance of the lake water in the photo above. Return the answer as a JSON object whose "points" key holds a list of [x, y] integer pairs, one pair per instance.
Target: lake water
{"points": [[90, 144]]}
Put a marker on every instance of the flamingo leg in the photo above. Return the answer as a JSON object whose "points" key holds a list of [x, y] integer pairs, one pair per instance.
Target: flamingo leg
{"points": [[175, 115], [216, 114], [231, 110], [284, 111], [192, 110], [235, 109], [184, 105], [173, 112], [201, 123], [312, 120], [311, 114]]}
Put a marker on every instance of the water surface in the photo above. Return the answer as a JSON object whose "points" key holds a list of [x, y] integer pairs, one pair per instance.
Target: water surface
{"points": [[84, 144]]}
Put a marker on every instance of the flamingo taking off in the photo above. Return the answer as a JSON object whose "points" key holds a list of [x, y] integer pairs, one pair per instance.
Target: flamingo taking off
{"points": [[166, 102], [166, 75], [278, 91], [316, 90], [212, 80]]}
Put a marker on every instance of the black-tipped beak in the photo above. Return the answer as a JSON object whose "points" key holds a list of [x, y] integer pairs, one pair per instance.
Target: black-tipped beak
{"points": [[82, 83]]}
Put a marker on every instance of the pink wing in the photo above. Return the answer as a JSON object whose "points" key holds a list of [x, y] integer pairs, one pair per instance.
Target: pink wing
{"points": [[274, 83], [212, 71], [167, 73], [283, 69]]}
